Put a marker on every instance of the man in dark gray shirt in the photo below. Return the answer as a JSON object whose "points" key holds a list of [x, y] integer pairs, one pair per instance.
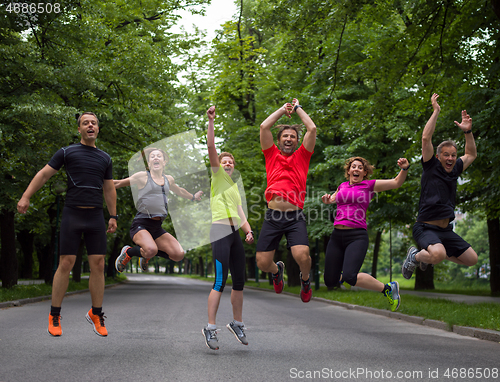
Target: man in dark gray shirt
{"points": [[90, 175], [433, 231]]}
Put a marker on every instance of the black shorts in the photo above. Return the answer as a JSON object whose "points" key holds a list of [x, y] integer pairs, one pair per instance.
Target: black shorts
{"points": [[87, 221], [428, 234], [277, 223], [152, 226]]}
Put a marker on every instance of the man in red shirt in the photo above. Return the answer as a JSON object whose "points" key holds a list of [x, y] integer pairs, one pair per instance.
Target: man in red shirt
{"points": [[286, 170]]}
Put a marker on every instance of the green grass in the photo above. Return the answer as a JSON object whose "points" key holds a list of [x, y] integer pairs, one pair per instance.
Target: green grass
{"points": [[481, 315], [19, 292]]}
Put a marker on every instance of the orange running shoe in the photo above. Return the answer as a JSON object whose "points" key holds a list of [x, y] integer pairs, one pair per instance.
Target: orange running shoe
{"points": [[55, 325], [97, 322]]}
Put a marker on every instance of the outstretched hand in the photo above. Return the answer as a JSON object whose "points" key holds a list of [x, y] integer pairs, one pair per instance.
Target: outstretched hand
{"points": [[23, 205], [435, 105], [466, 123], [211, 112], [328, 198], [197, 196], [403, 163], [288, 109]]}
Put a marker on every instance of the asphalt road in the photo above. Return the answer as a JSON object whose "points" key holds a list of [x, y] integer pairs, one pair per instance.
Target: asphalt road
{"points": [[155, 324]]}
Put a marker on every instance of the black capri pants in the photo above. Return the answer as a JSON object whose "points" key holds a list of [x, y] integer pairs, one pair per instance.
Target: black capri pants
{"points": [[87, 221], [228, 254], [344, 256]]}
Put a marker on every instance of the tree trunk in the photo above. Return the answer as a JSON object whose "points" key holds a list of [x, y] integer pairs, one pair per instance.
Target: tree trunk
{"points": [[494, 241], [250, 267], [115, 252], [292, 270], [77, 268], [26, 240], [201, 265], [376, 250], [424, 280], [44, 256], [8, 259]]}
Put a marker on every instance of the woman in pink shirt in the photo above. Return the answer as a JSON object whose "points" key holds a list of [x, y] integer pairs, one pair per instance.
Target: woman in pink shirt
{"points": [[348, 243]]}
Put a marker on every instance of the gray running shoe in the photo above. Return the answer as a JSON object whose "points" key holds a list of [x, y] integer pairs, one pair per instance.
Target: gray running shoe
{"points": [[393, 295], [143, 264], [211, 338], [238, 331], [410, 263], [122, 260]]}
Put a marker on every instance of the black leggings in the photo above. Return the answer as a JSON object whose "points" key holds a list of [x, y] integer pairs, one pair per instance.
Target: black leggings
{"points": [[228, 253], [345, 254]]}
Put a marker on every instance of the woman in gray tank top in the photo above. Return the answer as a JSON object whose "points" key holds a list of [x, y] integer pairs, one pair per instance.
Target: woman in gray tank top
{"points": [[152, 208]]}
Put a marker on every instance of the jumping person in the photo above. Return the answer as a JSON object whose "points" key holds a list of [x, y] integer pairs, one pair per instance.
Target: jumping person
{"points": [[286, 170], [227, 248], [433, 231], [152, 206], [346, 250], [90, 174]]}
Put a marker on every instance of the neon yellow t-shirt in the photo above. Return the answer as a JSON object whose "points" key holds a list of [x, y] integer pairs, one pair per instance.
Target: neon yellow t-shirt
{"points": [[225, 196]]}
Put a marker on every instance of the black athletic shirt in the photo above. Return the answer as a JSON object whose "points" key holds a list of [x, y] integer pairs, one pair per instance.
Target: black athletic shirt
{"points": [[86, 167], [439, 190]]}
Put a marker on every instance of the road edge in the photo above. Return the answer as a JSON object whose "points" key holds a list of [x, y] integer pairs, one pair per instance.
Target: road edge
{"points": [[482, 334]]}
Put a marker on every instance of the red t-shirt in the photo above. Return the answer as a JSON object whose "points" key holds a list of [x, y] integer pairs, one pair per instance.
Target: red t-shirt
{"points": [[287, 175]]}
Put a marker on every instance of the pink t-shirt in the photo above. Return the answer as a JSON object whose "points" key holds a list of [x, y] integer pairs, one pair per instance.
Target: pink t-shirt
{"points": [[352, 203]]}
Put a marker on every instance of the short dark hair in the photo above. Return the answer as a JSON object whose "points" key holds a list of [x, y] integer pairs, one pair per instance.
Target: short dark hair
{"points": [[296, 128], [445, 144], [366, 165], [87, 113]]}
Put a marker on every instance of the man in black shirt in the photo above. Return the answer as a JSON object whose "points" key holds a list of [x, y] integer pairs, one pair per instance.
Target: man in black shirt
{"points": [[90, 174], [433, 231]]}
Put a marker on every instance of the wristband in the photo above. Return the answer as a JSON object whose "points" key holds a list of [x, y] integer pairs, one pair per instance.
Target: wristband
{"points": [[113, 217], [406, 169], [250, 232], [192, 199], [296, 106], [468, 132]]}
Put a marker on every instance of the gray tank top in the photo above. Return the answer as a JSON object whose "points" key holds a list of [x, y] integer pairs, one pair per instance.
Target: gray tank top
{"points": [[152, 200]]}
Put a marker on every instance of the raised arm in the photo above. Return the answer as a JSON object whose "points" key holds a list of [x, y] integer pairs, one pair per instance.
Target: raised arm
{"points": [[427, 148], [182, 192], [212, 151], [310, 137], [36, 183], [391, 184], [266, 137], [470, 144], [109, 192]]}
